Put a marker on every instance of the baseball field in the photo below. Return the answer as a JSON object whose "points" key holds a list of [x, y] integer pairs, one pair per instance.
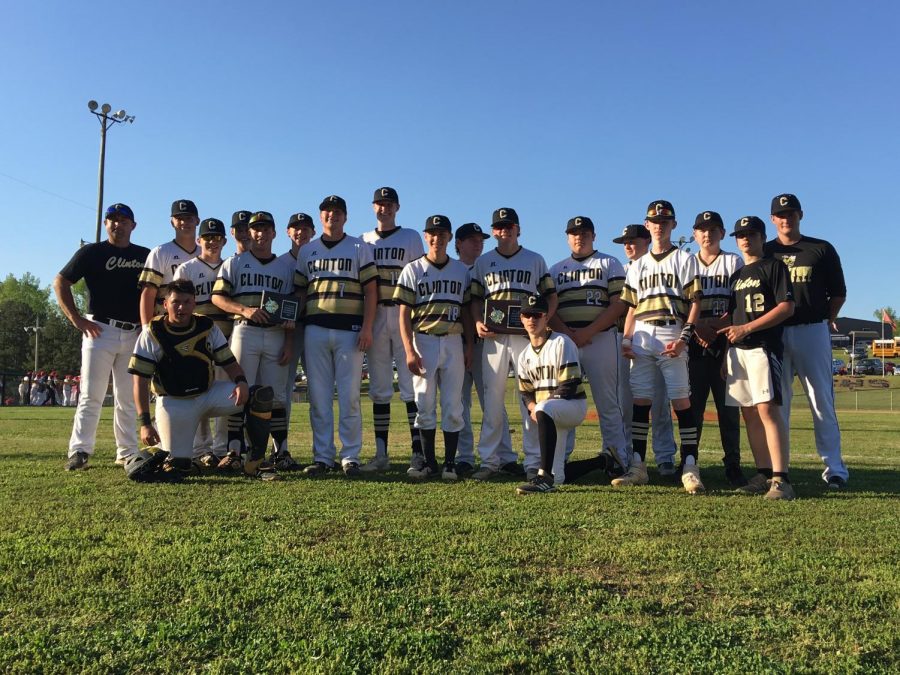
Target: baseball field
{"points": [[223, 575]]}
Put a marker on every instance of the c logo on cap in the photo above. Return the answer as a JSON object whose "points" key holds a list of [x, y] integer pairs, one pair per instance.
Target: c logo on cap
{"points": [[242, 216], [783, 201], [502, 213], [745, 222], [660, 209], [182, 206], [436, 220], [532, 300], [384, 192], [477, 228], [578, 222], [707, 215]]}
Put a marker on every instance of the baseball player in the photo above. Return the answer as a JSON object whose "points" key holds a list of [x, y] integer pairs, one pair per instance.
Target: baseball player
{"points": [[25, 390], [394, 248], [110, 269], [179, 352], [337, 283], [202, 272], [67, 391], [469, 246], [707, 350], [433, 294], [550, 385], [300, 230], [819, 294], [635, 241], [240, 231], [761, 301], [662, 291], [261, 346], [160, 267], [509, 272], [588, 285]]}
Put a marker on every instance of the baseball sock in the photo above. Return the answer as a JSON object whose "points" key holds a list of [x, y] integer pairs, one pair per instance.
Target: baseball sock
{"points": [[428, 446], [547, 439], [381, 412], [236, 445], [451, 441], [765, 472], [781, 474], [582, 467], [278, 430], [687, 431], [640, 427], [411, 411]]}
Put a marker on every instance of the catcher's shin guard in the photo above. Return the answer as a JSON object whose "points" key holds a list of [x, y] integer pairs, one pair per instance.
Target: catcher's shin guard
{"points": [[258, 419]]}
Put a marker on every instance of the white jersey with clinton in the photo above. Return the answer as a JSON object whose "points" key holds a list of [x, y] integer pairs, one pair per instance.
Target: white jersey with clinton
{"points": [[585, 287], [333, 275], [662, 286], [244, 277], [159, 269], [715, 280], [393, 250], [203, 275], [436, 294], [499, 277], [552, 371]]}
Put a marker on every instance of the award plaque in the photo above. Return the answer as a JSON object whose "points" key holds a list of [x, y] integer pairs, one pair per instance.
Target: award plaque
{"points": [[280, 307], [504, 316]]}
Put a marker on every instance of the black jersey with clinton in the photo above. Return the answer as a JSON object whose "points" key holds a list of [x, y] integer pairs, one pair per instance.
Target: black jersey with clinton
{"points": [[816, 274], [111, 274], [758, 288]]}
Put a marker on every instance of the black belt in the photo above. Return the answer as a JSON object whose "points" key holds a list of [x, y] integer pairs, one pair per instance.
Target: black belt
{"points": [[123, 325], [247, 322], [663, 322]]}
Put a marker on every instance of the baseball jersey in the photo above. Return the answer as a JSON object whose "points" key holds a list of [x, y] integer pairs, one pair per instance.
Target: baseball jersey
{"points": [[203, 276], [333, 273], [159, 270], [585, 287], [662, 286], [393, 250], [758, 288], [715, 280], [499, 277], [436, 294], [111, 275], [551, 371], [180, 360], [816, 274], [244, 277]]}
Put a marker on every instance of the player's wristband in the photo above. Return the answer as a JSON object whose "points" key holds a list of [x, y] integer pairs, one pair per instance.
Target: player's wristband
{"points": [[239, 379], [687, 332], [145, 419], [626, 342]]}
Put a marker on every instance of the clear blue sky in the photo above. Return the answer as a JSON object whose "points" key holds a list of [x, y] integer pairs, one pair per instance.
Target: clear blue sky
{"points": [[563, 109]]}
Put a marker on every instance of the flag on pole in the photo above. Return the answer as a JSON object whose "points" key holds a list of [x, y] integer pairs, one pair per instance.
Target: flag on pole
{"points": [[887, 319]]}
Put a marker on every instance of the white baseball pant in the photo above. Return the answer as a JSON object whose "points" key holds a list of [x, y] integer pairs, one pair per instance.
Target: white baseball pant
{"points": [[333, 359], [566, 415], [387, 347], [466, 450], [297, 356], [497, 355], [648, 343], [217, 441], [175, 417], [257, 350], [444, 363], [107, 353], [807, 352]]}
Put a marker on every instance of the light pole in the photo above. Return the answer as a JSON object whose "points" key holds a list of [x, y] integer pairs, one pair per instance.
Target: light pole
{"points": [[106, 121], [36, 329]]}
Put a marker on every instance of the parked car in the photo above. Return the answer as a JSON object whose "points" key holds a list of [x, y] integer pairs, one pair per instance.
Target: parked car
{"points": [[838, 367], [868, 367]]}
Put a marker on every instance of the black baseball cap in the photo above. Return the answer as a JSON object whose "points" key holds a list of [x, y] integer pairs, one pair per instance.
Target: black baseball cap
{"points": [[438, 223], [579, 223], [184, 207], [785, 202], [212, 226], [505, 215], [121, 210], [471, 230], [261, 219], [333, 203], [660, 209], [301, 220], [241, 218], [385, 194], [535, 304], [749, 224], [633, 232], [708, 218]]}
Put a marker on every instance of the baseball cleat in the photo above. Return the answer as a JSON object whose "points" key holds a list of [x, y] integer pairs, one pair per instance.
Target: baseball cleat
{"points": [[284, 462], [260, 470], [121, 460], [485, 473], [757, 485], [464, 469], [318, 469], [666, 469], [449, 473], [352, 470], [512, 469], [690, 479], [230, 463], [735, 476], [537, 485], [636, 475], [779, 488], [77, 461], [836, 483], [424, 473], [417, 461], [377, 465], [207, 461], [615, 465]]}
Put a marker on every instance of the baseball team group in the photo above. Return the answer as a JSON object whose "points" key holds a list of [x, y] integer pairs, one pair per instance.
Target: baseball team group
{"points": [[206, 336]]}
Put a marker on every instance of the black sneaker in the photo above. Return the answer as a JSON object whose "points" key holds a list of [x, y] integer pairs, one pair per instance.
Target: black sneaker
{"points": [[538, 485], [512, 469], [282, 461], [836, 483], [352, 470], [317, 469], [735, 476], [77, 461], [464, 469]]}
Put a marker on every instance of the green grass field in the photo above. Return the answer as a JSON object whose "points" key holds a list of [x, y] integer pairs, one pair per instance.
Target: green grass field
{"points": [[225, 575]]}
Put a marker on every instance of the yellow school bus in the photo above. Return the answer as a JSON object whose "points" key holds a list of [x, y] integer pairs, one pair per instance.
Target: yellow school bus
{"points": [[888, 348]]}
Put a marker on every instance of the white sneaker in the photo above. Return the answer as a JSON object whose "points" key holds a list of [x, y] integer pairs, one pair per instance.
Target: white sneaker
{"points": [[690, 479], [449, 473], [636, 475], [376, 465], [419, 474]]}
